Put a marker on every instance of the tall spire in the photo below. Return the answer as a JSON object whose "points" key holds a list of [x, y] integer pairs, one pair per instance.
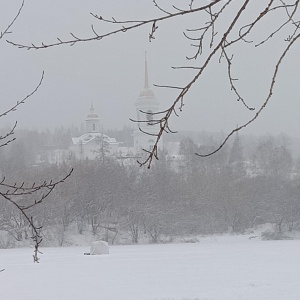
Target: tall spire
{"points": [[146, 92], [146, 72]]}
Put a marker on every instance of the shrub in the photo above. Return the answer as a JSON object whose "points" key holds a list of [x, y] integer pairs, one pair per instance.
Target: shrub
{"points": [[274, 235]]}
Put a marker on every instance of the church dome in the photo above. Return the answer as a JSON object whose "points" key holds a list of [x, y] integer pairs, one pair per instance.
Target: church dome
{"points": [[92, 114]]}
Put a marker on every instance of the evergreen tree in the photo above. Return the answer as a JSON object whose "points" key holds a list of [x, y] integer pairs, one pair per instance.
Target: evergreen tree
{"points": [[236, 158]]}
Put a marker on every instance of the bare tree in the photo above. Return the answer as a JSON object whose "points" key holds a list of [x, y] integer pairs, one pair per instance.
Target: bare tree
{"points": [[22, 195], [210, 40], [273, 160]]}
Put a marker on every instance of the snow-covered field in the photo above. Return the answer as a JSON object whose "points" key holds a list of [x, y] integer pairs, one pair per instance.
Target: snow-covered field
{"points": [[215, 268]]}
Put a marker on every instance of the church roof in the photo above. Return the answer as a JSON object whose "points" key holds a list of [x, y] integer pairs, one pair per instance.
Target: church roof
{"points": [[88, 137]]}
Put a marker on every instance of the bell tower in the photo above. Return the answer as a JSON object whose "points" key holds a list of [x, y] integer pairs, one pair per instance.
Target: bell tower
{"points": [[92, 123], [146, 104]]}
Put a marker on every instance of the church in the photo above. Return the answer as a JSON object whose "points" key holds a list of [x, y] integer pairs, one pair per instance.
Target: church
{"points": [[93, 144]]}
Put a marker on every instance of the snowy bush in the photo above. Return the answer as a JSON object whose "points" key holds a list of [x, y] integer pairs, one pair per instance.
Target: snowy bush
{"points": [[190, 240], [274, 235]]}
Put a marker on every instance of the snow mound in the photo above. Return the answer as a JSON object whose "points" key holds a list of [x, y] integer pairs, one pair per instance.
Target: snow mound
{"points": [[99, 247]]}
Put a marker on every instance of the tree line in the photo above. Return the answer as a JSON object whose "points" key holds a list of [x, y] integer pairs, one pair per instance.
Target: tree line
{"points": [[181, 195]]}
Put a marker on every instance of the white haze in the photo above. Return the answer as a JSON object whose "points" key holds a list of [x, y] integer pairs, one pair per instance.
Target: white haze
{"points": [[110, 72]]}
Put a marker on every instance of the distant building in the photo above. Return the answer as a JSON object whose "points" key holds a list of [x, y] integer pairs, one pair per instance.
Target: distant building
{"points": [[146, 106], [93, 144]]}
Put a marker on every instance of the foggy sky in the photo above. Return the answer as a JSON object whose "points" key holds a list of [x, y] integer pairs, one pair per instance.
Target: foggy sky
{"points": [[110, 73]]}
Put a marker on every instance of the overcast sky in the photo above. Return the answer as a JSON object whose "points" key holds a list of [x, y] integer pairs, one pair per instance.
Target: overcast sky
{"points": [[110, 73]]}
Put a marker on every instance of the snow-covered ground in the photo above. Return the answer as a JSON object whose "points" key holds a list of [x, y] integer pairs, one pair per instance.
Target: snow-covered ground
{"points": [[215, 268]]}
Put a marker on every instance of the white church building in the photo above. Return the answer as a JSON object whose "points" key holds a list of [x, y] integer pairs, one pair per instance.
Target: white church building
{"points": [[93, 143]]}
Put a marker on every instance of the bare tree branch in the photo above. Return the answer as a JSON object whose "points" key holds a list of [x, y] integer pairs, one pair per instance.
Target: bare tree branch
{"points": [[123, 28], [7, 29], [12, 193], [273, 80], [14, 108]]}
